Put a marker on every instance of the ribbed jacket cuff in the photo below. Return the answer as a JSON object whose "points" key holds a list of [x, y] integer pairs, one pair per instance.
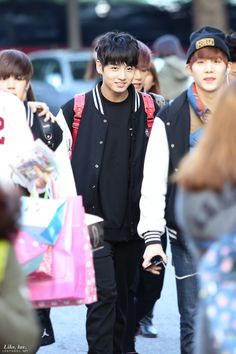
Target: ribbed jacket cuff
{"points": [[152, 237]]}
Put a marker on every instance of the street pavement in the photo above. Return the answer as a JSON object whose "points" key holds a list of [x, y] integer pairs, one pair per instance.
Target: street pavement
{"points": [[69, 326]]}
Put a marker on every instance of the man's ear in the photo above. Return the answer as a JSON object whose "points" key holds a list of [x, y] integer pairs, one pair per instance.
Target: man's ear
{"points": [[189, 69], [229, 67], [99, 67]]}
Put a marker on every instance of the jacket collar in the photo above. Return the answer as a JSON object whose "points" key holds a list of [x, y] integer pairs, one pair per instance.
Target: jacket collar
{"points": [[97, 97]]}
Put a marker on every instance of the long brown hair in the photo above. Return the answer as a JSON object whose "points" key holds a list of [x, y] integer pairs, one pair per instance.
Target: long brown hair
{"points": [[212, 163]]}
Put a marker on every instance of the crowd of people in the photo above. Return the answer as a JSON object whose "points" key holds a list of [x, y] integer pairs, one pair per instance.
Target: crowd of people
{"points": [[153, 155]]}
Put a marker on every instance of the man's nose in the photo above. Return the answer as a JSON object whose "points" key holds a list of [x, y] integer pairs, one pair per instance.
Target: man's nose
{"points": [[209, 66], [122, 73]]}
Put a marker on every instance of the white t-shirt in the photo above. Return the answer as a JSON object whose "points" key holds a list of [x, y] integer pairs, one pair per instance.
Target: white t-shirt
{"points": [[15, 134]]}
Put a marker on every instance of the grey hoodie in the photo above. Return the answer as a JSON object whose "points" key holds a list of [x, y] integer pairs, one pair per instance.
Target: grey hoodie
{"points": [[173, 77], [206, 215]]}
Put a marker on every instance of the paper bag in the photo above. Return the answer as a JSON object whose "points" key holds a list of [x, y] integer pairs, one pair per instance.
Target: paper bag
{"points": [[73, 277]]}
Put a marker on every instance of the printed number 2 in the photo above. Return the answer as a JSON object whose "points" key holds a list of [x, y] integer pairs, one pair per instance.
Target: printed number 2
{"points": [[2, 139]]}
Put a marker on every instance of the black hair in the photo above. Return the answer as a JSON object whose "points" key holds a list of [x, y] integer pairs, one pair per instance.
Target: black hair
{"points": [[117, 48], [230, 40]]}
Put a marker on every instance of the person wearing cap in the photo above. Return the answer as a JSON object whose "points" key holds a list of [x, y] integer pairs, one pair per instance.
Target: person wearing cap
{"points": [[208, 62], [231, 43]]}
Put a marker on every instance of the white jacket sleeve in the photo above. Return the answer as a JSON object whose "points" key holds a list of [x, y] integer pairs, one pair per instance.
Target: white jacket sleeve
{"points": [[65, 182], [67, 137], [154, 186], [15, 134]]}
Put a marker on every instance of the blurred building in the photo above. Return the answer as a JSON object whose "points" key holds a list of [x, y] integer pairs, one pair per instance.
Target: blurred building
{"points": [[30, 25]]}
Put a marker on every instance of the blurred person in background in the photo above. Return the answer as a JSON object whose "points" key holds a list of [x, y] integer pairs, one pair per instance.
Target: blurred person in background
{"points": [[206, 212], [184, 118], [152, 83], [169, 61], [15, 134], [19, 329], [142, 71], [91, 71], [231, 43]]}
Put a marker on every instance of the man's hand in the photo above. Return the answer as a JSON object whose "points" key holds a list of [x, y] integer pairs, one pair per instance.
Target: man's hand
{"points": [[150, 252]]}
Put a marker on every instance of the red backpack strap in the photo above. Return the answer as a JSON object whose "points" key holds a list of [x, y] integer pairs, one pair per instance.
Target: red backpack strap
{"points": [[149, 109], [79, 101]]}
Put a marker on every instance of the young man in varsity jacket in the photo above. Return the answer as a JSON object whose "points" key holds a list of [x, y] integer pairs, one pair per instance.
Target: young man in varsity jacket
{"points": [[184, 119], [107, 162]]}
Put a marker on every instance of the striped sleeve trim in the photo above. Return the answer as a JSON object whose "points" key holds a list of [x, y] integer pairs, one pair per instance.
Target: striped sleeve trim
{"points": [[152, 237], [172, 233]]}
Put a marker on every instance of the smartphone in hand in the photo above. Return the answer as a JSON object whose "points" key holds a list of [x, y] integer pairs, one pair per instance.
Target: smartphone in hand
{"points": [[157, 261]]}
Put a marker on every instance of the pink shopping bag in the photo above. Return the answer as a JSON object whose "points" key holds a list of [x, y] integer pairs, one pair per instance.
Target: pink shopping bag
{"points": [[73, 277], [29, 252]]}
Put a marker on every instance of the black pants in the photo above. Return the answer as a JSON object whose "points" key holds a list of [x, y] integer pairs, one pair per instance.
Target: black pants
{"points": [[115, 267], [144, 292], [47, 333], [149, 289]]}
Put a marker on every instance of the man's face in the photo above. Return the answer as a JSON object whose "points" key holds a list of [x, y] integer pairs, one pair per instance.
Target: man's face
{"points": [[209, 74], [140, 75], [116, 79]]}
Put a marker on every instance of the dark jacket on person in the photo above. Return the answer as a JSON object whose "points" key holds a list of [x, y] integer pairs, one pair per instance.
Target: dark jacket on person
{"points": [[89, 149], [50, 133]]}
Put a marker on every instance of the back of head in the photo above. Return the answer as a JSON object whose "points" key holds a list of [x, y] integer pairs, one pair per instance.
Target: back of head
{"points": [[9, 213], [167, 45], [231, 43], [15, 63], [117, 48]]}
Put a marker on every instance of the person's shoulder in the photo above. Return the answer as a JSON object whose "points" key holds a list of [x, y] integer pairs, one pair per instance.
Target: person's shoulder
{"points": [[158, 99], [8, 100], [69, 105], [173, 106], [12, 110]]}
